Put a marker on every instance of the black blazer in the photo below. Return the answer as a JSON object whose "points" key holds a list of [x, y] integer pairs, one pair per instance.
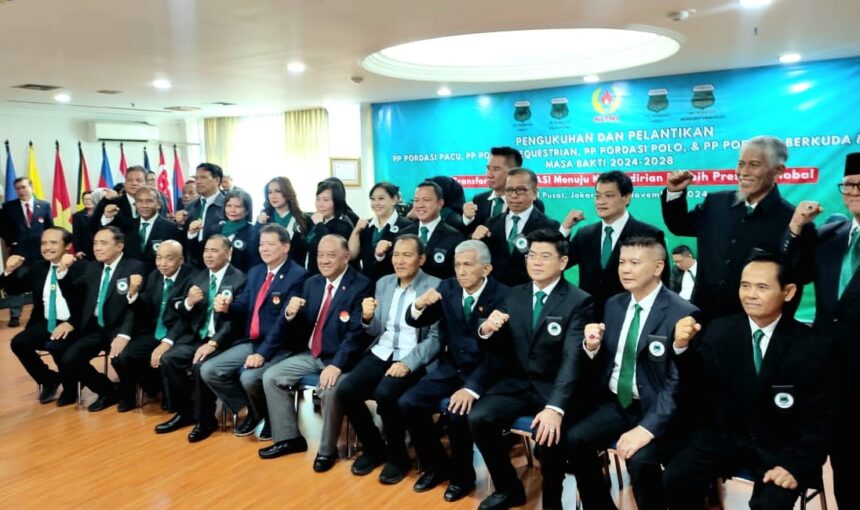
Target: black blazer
{"points": [[160, 229], [298, 241], [726, 237], [343, 336], [786, 411], [82, 234], [603, 283], [439, 249], [523, 358], [462, 353], [656, 374], [211, 225], [31, 278], [123, 219], [340, 226], [369, 266], [510, 268], [23, 239], [227, 326], [246, 249], [145, 309], [482, 215]]}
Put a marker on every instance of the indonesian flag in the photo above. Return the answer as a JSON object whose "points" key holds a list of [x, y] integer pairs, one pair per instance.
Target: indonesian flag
{"points": [[61, 205], [164, 180]]}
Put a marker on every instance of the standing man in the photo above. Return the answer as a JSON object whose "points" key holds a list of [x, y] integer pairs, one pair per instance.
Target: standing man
{"points": [[203, 217], [728, 225], [535, 341], [149, 229], [595, 248], [24, 220], [437, 237], [637, 380], [684, 275], [120, 211]]}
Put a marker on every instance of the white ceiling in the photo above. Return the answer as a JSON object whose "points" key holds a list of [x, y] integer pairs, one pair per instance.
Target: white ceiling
{"points": [[236, 51]]}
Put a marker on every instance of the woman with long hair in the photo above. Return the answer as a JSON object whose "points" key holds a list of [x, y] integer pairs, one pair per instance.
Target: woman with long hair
{"points": [[329, 218], [371, 240], [282, 207]]}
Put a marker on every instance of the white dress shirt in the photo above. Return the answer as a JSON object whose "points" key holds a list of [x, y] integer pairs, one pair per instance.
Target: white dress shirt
{"points": [[524, 217], [63, 313], [687, 281], [768, 334], [32, 203], [431, 227], [208, 201], [398, 339]]}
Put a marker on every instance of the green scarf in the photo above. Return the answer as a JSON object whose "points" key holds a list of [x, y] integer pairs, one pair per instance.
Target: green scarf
{"points": [[283, 221], [229, 228]]}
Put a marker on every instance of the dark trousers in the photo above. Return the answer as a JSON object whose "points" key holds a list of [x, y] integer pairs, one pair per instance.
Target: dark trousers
{"points": [[181, 379], [367, 381], [844, 455], [133, 366], [76, 360], [710, 455], [494, 414], [599, 430], [417, 406], [16, 305], [36, 337]]}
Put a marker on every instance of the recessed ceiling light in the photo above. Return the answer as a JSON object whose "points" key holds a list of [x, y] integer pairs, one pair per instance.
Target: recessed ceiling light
{"points": [[523, 55], [754, 4], [789, 58], [296, 67], [591, 78], [161, 84], [443, 91], [484, 101], [62, 98]]}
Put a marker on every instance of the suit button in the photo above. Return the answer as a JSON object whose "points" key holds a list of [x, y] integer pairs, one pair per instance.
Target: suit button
{"points": [[734, 241], [463, 351], [722, 282], [728, 261], [835, 320]]}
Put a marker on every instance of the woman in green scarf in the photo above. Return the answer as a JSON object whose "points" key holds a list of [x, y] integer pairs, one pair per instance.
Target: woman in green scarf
{"points": [[281, 206], [237, 227]]}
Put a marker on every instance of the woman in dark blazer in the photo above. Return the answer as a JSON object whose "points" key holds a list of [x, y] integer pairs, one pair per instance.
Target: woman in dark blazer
{"points": [[282, 207], [236, 226], [329, 218], [379, 232]]}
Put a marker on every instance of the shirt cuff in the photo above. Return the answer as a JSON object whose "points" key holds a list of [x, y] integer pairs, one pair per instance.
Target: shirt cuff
{"points": [[191, 236], [132, 299], [185, 303], [646, 430], [379, 259], [680, 350], [482, 336], [470, 392], [123, 336], [590, 354], [106, 221], [672, 195], [415, 312], [557, 409], [564, 230], [62, 274], [467, 221], [167, 341]]}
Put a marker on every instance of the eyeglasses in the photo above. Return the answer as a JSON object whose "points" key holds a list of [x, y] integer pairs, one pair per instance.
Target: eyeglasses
{"points": [[519, 190], [847, 188], [543, 257]]}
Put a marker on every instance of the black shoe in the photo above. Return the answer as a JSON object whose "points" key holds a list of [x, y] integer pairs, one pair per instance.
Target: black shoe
{"points": [[14, 322], [265, 431], [67, 398], [456, 492], [428, 480], [103, 402], [201, 432], [392, 473], [324, 462], [246, 428], [48, 392], [126, 404], [175, 423], [503, 500], [364, 465], [281, 448]]}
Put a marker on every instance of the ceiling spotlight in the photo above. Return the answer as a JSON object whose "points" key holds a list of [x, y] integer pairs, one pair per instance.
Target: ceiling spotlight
{"points": [[161, 84], [296, 67], [591, 78], [789, 58], [754, 4], [62, 98], [484, 101], [443, 91]]}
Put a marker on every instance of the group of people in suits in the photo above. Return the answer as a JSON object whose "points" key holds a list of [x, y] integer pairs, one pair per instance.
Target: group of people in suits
{"points": [[465, 311]]}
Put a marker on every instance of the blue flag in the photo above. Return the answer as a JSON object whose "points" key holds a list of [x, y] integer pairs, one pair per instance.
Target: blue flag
{"points": [[10, 175], [105, 178], [145, 160]]}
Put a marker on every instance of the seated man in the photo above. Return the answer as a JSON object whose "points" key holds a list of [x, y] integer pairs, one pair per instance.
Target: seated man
{"points": [[458, 305], [323, 325], [211, 332], [765, 384], [636, 381], [236, 375], [535, 342], [395, 362], [156, 322]]}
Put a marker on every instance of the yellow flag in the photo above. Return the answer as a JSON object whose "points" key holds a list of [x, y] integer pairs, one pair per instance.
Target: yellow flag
{"points": [[33, 174]]}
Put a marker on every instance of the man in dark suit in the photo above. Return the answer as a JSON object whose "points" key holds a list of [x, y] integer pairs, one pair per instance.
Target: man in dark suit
{"points": [[120, 212], [458, 305], [51, 325], [104, 325], [438, 238], [149, 229], [493, 202], [236, 375], [212, 333], [683, 278], [82, 232], [765, 382], [156, 322], [830, 256], [595, 248], [728, 225], [535, 342], [323, 325], [203, 217], [24, 220], [636, 381], [505, 234]]}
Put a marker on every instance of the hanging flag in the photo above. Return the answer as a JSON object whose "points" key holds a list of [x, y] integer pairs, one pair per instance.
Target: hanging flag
{"points": [[178, 179], [60, 204], [83, 178], [33, 174], [164, 180], [123, 166], [145, 159], [10, 175], [105, 177]]}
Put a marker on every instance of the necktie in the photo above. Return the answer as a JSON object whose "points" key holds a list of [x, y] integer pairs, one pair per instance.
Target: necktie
{"points": [[538, 307], [204, 204], [52, 301], [750, 209], [424, 231], [160, 328], [143, 227], [498, 205], [213, 290], [316, 337], [628, 361], [606, 250], [102, 296], [376, 235], [29, 213], [514, 232], [850, 262], [757, 354], [467, 307], [254, 333], [202, 209]]}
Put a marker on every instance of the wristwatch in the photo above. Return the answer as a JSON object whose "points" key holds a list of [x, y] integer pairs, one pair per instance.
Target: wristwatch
{"points": [[213, 344]]}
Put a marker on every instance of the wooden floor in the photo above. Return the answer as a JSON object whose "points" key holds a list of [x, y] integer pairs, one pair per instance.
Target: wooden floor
{"points": [[52, 458]]}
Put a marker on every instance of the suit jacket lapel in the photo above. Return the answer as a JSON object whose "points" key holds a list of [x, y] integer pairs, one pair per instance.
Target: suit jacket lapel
{"points": [[385, 302], [593, 246], [778, 345], [655, 318], [614, 323], [339, 294], [553, 301]]}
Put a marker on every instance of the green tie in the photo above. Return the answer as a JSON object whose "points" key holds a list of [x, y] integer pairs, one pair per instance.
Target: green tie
{"points": [[514, 232], [538, 307], [757, 355], [850, 261], [52, 301], [628, 361], [467, 307], [143, 227], [750, 209], [213, 290], [498, 205], [103, 296], [376, 236], [606, 251], [424, 231], [160, 328]]}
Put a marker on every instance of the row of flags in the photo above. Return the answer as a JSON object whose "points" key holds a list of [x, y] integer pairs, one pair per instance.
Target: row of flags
{"points": [[61, 206]]}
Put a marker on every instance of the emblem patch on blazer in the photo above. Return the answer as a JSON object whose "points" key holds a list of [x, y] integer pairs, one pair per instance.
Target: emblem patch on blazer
{"points": [[155, 245], [553, 328], [344, 316], [228, 292], [439, 257], [783, 400], [41, 220], [394, 229], [122, 285], [276, 299], [656, 348], [239, 244], [521, 243]]}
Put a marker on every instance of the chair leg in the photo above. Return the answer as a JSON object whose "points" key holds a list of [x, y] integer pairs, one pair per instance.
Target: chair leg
{"points": [[80, 393], [527, 443], [618, 470], [138, 395]]}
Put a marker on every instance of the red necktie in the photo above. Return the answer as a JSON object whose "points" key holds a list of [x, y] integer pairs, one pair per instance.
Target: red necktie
{"points": [[29, 214], [261, 297], [316, 338]]}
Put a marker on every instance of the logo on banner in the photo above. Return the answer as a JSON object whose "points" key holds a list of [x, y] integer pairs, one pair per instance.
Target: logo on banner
{"points": [[703, 96], [522, 111], [606, 101], [658, 100], [559, 108]]}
